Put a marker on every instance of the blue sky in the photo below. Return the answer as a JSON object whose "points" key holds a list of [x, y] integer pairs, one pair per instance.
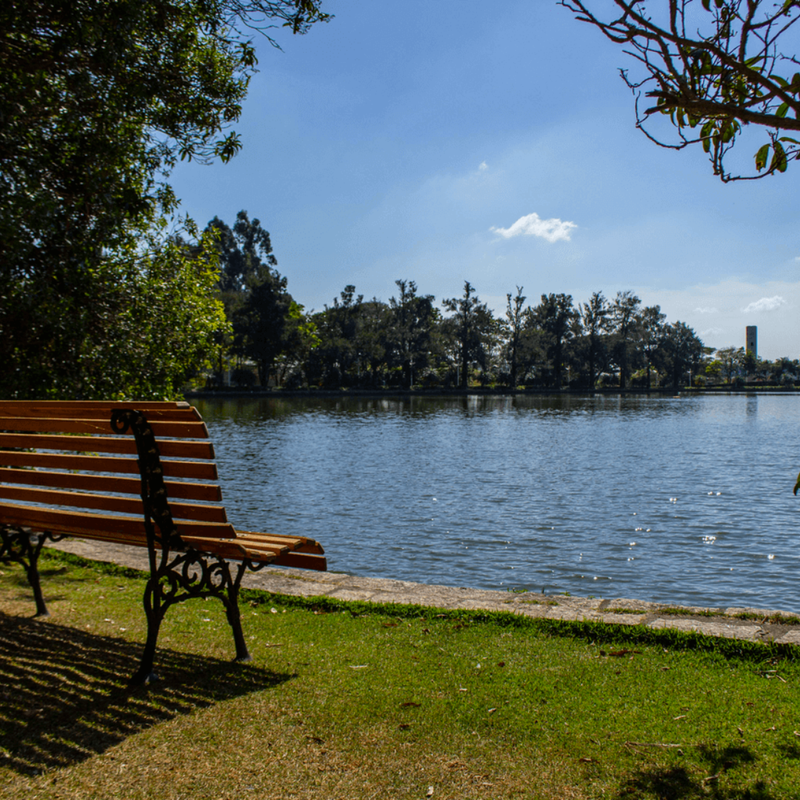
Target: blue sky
{"points": [[493, 142]]}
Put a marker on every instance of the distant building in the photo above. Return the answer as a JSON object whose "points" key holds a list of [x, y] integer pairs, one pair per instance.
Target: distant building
{"points": [[751, 340]]}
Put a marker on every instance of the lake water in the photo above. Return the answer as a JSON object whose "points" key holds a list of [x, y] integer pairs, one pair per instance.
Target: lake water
{"points": [[679, 500]]}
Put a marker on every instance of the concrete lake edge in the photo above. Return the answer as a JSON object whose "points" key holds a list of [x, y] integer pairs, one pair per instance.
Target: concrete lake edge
{"points": [[747, 624]]}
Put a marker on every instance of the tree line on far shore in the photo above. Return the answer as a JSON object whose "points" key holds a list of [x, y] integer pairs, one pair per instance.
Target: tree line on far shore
{"points": [[214, 311], [413, 341]]}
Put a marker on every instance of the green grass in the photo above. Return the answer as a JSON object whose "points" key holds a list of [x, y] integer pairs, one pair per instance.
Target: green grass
{"points": [[350, 700]]}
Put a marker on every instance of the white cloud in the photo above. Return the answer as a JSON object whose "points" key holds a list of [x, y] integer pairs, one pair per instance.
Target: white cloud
{"points": [[778, 331], [765, 304], [552, 230], [707, 310], [483, 166]]}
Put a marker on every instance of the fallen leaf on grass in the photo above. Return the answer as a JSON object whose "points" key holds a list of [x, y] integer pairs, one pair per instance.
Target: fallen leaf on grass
{"points": [[409, 704]]}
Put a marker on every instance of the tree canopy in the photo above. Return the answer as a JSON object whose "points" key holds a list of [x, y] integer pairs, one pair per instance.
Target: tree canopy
{"points": [[711, 68], [99, 99]]}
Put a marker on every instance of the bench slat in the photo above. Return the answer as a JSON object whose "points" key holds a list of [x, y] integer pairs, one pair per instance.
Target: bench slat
{"points": [[239, 549], [100, 444], [105, 502], [99, 526], [306, 546], [105, 483], [302, 561], [96, 409], [187, 430], [199, 470]]}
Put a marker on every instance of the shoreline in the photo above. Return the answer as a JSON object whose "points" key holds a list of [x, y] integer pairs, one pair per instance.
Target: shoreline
{"points": [[747, 624], [688, 391]]}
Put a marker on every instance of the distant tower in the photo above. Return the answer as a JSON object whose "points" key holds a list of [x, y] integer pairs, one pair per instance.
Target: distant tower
{"points": [[751, 340]]}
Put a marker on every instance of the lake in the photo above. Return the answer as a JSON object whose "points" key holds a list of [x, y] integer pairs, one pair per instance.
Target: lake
{"points": [[679, 500]]}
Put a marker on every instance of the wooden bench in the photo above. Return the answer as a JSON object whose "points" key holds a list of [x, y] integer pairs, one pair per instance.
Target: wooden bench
{"points": [[137, 474]]}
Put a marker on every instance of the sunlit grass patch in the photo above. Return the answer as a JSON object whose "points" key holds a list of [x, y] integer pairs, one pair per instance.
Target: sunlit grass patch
{"points": [[358, 701]]}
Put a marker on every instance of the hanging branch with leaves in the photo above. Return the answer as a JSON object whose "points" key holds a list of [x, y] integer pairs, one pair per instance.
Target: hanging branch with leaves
{"points": [[711, 67]]}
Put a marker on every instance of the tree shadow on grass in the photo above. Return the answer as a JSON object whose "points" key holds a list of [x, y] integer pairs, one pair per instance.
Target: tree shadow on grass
{"points": [[677, 782], [64, 695]]}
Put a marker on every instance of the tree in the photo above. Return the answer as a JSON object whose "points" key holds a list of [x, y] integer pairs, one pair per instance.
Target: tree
{"points": [[624, 318], [710, 68], [731, 359], [595, 322], [651, 325], [684, 351], [556, 317], [98, 101], [261, 327], [472, 328], [334, 360], [411, 332], [146, 325], [514, 327]]}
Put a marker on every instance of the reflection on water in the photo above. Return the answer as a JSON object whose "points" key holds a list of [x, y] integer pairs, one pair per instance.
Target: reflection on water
{"points": [[679, 500]]}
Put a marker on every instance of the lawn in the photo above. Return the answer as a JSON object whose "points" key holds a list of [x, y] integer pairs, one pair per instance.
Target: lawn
{"points": [[347, 700]]}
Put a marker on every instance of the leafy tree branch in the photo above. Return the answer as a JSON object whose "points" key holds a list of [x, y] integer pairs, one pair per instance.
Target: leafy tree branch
{"points": [[710, 67]]}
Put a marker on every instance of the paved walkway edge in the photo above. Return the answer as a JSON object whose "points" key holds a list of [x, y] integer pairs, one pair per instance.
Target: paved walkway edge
{"points": [[750, 624]]}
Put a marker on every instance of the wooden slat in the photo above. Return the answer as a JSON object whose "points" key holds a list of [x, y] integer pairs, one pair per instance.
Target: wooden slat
{"points": [[93, 403], [224, 548], [106, 502], [199, 470], [302, 561], [78, 523], [176, 430], [301, 544], [283, 556], [100, 444], [96, 409], [207, 492], [71, 480]]}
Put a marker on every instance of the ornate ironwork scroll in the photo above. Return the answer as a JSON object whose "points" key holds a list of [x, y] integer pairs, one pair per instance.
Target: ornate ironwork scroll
{"points": [[23, 546], [177, 572]]}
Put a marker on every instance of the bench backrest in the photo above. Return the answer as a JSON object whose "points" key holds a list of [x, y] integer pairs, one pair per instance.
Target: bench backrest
{"points": [[64, 470]]}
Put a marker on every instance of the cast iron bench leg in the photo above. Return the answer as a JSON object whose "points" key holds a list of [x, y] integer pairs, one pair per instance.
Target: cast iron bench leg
{"points": [[24, 547]]}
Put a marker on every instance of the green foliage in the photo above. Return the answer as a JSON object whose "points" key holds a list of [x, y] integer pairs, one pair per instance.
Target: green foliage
{"points": [[471, 331], [411, 335], [710, 73], [268, 326], [557, 319], [166, 324], [143, 324], [98, 101]]}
